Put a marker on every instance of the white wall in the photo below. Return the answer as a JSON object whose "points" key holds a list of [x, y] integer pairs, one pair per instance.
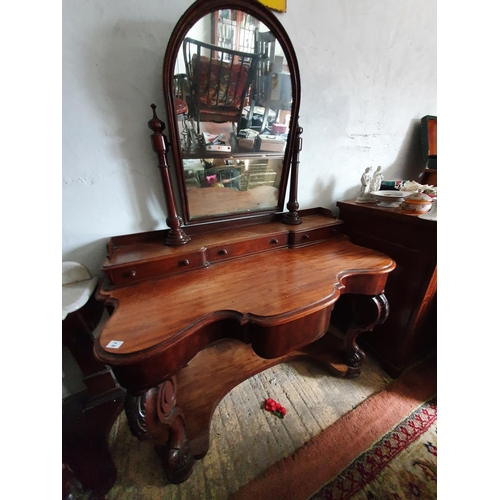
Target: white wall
{"points": [[368, 72]]}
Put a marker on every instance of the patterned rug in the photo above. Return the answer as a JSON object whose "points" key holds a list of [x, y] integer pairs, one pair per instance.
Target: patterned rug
{"points": [[361, 455], [402, 465]]}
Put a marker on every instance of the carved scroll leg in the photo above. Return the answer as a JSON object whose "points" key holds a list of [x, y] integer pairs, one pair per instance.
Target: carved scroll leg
{"points": [[368, 312], [153, 416]]}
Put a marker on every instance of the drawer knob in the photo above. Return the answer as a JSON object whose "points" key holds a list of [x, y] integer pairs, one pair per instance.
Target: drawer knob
{"points": [[184, 262], [222, 252], [305, 236], [274, 241], [130, 274]]}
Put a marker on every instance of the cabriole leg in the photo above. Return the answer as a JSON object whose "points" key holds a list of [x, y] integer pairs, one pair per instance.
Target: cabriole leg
{"points": [[367, 313]]}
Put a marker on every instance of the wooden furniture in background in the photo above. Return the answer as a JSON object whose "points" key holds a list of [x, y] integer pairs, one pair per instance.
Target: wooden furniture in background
{"points": [[429, 149], [270, 89], [87, 416], [429, 176], [410, 330]]}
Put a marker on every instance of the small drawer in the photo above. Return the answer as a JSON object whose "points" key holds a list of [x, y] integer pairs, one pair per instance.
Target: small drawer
{"points": [[157, 268], [241, 248], [313, 236]]}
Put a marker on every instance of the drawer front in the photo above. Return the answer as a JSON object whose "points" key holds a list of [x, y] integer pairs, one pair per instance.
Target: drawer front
{"points": [[240, 248], [147, 270], [298, 238]]}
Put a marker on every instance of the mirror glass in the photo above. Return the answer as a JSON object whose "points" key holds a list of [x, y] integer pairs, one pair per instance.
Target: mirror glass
{"points": [[233, 99]]}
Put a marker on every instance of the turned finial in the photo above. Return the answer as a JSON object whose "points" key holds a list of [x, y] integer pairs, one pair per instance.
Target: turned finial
{"points": [[155, 124]]}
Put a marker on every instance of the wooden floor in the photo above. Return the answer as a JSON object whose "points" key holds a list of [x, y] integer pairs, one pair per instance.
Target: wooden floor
{"points": [[245, 439]]}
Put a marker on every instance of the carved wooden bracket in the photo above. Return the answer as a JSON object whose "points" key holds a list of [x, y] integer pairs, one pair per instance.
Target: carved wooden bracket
{"points": [[153, 416], [368, 312]]}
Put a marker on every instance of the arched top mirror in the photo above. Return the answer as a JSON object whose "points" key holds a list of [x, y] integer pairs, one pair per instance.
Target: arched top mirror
{"points": [[232, 93]]}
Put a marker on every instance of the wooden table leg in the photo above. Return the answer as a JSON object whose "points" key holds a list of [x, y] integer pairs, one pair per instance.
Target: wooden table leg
{"points": [[362, 313], [85, 442], [153, 416]]}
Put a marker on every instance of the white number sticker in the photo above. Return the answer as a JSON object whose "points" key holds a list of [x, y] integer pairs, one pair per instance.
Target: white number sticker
{"points": [[115, 344]]}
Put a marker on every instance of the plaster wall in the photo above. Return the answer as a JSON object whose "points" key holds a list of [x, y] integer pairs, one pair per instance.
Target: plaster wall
{"points": [[368, 74]]}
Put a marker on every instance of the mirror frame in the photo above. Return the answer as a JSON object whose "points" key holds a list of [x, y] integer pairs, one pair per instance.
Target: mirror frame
{"points": [[193, 14]]}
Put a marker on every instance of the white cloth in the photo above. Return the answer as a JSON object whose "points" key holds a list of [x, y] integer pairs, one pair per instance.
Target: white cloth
{"points": [[77, 287]]}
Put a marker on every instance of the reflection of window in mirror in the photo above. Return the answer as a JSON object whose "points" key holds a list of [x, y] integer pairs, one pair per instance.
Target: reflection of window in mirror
{"points": [[235, 30], [202, 31]]}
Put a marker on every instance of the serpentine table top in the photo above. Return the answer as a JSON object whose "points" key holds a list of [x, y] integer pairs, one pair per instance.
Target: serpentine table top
{"points": [[257, 291]]}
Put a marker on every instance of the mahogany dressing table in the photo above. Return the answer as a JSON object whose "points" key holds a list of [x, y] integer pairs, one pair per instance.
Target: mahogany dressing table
{"points": [[214, 299]]}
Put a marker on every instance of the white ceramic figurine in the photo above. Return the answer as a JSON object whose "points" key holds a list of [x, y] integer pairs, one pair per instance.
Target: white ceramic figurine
{"points": [[377, 180], [364, 194]]}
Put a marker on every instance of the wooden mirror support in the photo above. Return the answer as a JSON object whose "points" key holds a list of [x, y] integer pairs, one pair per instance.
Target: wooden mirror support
{"points": [[228, 296], [176, 236], [293, 217]]}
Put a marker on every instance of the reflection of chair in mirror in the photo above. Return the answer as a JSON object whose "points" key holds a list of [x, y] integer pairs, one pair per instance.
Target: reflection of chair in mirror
{"points": [[181, 98], [264, 45], [271, 90], [219, 81], [181, 93]]}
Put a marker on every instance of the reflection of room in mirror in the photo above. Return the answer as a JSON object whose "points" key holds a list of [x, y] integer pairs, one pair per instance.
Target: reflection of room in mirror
{"points": [[242, 171], [231, 29], [218, 186], [267, 101], [246, 142]]}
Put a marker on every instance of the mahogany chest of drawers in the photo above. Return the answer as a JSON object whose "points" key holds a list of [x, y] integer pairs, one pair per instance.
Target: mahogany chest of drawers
{"points": [[409, 332]]}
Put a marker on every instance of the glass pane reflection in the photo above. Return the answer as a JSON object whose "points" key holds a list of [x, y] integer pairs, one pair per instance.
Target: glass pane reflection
{"points": [[219, 186], [244, 173]]}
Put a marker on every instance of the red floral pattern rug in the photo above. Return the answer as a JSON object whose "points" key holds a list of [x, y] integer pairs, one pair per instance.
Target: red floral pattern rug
{"points": [[402, 465]]}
